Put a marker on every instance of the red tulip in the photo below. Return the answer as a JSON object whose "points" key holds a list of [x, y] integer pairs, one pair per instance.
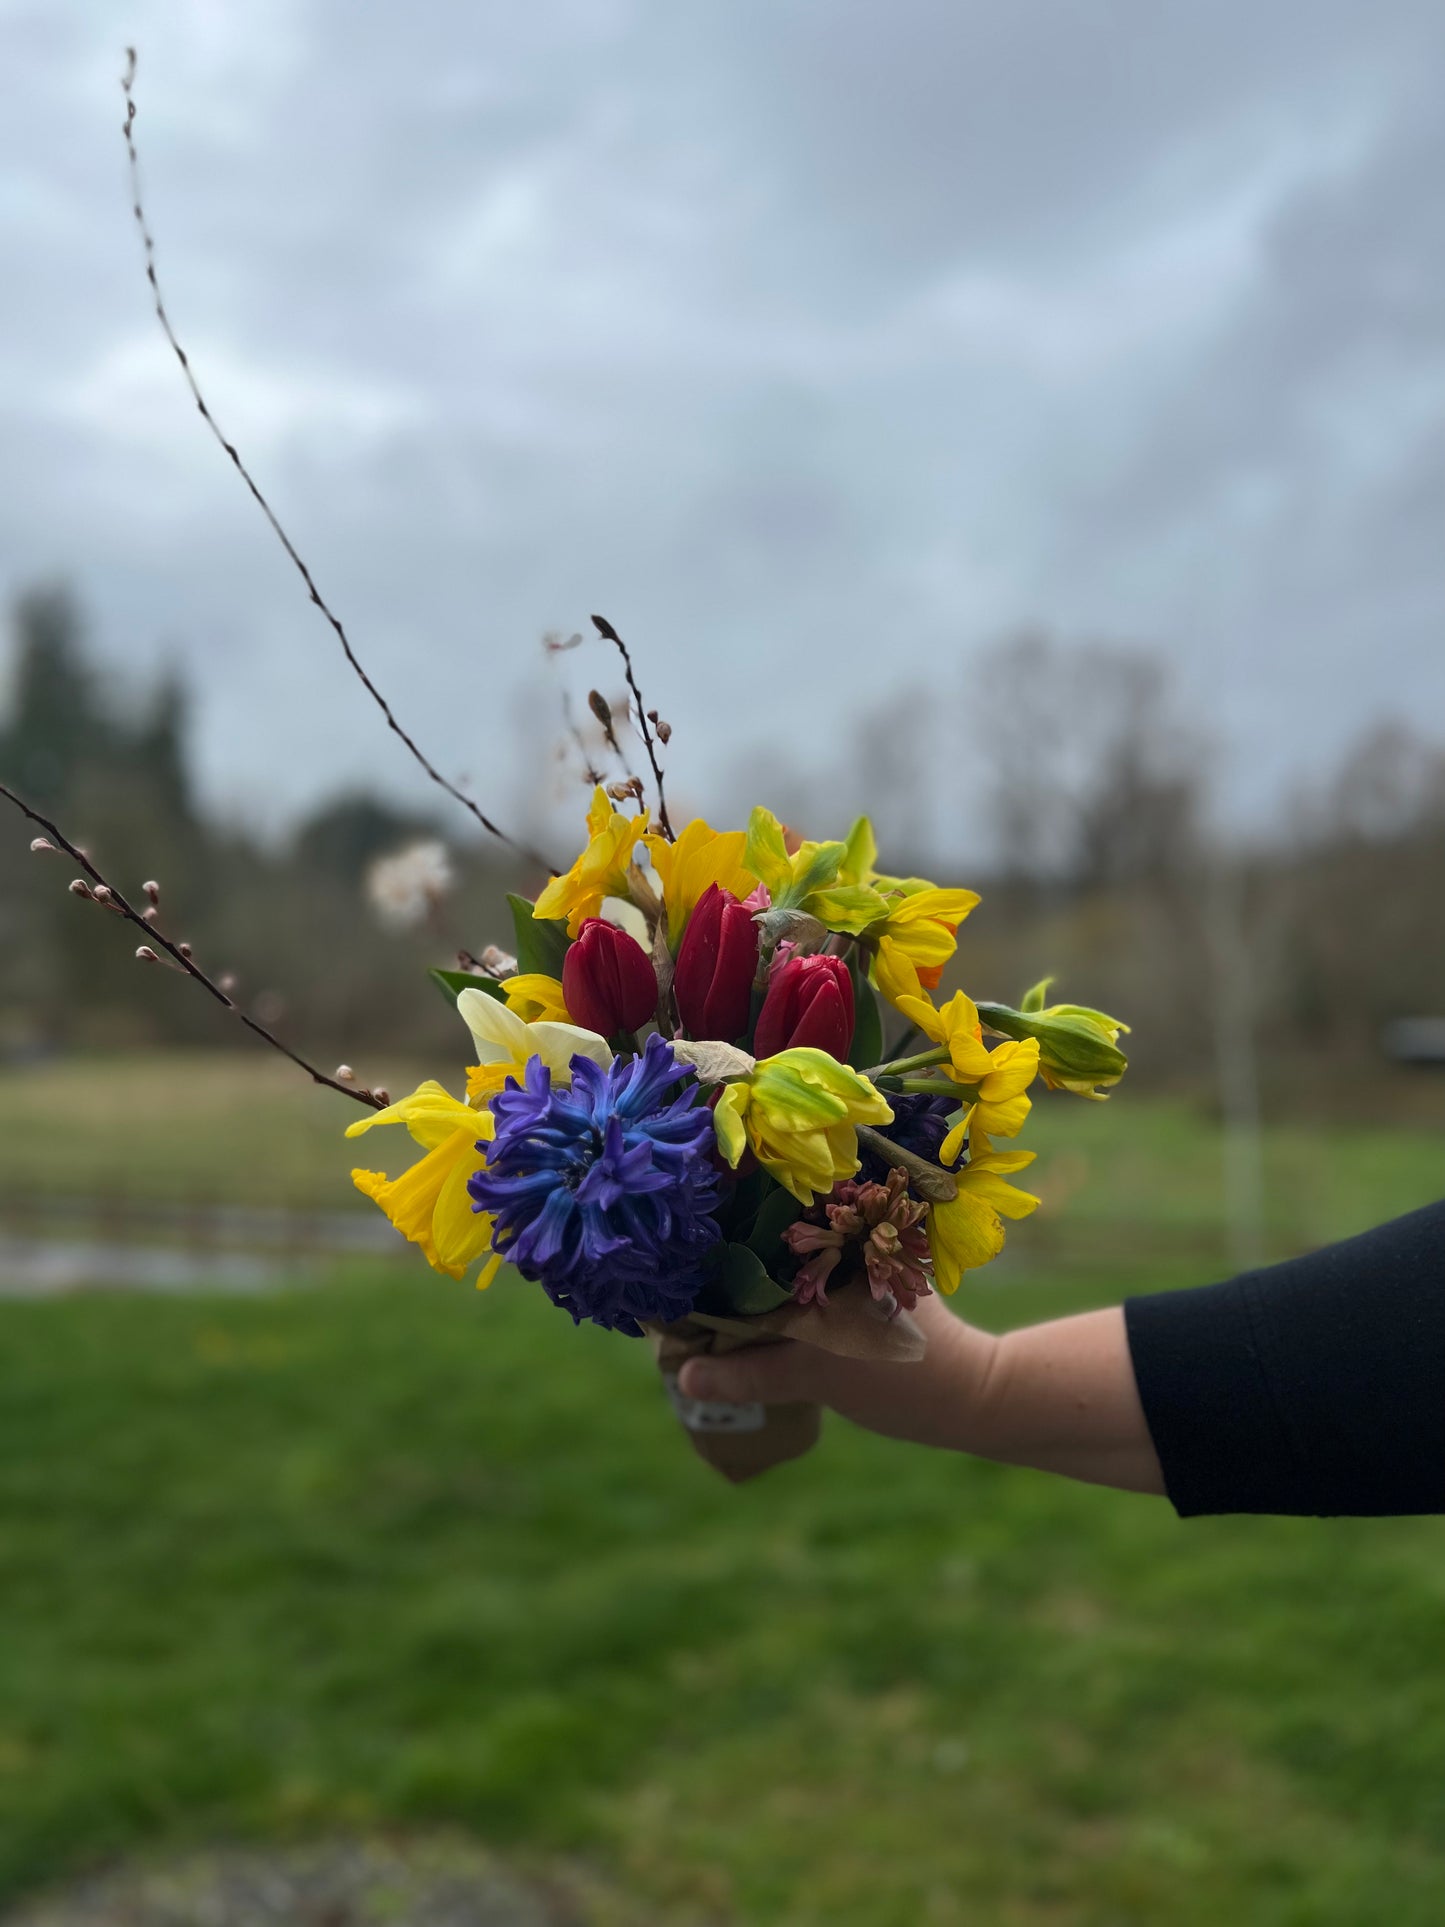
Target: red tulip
{"points": [[716, 965], [809, 1002], [608, 983]]}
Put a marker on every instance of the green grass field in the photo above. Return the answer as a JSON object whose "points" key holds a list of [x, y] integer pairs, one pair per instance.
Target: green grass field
{"points": [[388, 1552]]}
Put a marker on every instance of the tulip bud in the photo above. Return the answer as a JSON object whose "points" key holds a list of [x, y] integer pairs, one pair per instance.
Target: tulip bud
{"points": [[1077, 1046], [608, 983], [716, 963], [809, 1003]]}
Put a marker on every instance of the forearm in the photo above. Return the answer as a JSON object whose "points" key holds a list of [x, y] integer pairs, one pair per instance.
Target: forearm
{"points": [[1061, 1397]]}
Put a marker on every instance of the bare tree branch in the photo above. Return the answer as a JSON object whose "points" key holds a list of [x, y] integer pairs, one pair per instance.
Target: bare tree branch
{"points": [[158, 302]]}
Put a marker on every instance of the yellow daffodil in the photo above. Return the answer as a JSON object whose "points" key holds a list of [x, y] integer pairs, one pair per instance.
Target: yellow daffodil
{"points": [[600, 871], [429, 1203], [915, 931], [700, 857], [921, 924], [810, 878], [895, 973], [797, 1111], [533, 995], [1002, 1103], [968, 1232], [996, 1080], [505, 1045]]}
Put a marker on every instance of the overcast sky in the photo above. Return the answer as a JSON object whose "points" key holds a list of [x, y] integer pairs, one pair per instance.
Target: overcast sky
{"points": [[814, 344]]}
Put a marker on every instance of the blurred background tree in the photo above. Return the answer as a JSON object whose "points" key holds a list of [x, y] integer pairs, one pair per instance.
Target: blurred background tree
{"points": [[290, 919]]}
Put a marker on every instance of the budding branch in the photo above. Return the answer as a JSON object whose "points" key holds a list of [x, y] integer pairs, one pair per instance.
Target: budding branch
{"points": [[179, 954]]}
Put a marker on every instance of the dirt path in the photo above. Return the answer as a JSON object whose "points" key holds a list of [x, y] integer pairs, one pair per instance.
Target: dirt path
{"points": [[449, 1883]]}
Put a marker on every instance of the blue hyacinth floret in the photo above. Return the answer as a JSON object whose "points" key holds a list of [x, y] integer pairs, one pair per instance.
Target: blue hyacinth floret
{"points": [[604, 1192]]}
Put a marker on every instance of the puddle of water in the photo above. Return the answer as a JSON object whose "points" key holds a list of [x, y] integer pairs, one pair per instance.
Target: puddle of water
{"points": [[46, 1268], [53, 1245], [245, 1227]]}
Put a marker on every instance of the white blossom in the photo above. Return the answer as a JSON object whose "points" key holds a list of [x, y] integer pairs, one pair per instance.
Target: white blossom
{"points": [[404, 887]]}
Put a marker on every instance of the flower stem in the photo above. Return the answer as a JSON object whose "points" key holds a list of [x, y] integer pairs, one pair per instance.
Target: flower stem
{"points": [[931, 1087], [930, 1180], [899, 1065]]}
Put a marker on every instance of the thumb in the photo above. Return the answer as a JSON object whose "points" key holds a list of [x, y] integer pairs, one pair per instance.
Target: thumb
{"points": [[765, 1374]]}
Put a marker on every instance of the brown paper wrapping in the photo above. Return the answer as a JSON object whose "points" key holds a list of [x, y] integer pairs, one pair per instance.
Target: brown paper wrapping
{"points": [[741, 1441]]}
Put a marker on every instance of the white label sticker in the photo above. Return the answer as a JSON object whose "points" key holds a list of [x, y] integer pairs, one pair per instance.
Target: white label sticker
{"points": [[710, 1415]]}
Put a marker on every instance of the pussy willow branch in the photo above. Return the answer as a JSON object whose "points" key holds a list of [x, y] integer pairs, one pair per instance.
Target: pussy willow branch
{"points": [[179, 957], [158, 302], [626, 761], [602, 710], [605, 629]]}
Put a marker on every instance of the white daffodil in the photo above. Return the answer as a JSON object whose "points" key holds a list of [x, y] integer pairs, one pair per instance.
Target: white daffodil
{"points": [[505, 1045]]}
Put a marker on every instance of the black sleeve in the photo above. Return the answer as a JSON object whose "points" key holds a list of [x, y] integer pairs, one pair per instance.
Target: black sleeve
{"points": [[1316, 1386]]}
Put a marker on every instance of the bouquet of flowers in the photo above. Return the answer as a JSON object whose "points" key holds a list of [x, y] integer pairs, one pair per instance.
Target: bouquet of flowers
{"points": [[683, 1120]]}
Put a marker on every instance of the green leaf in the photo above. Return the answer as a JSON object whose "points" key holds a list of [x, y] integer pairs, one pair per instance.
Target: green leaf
{"points": [[777, 1211], [451, 984], [744, 1285], [867, 1046], [541, 942]]}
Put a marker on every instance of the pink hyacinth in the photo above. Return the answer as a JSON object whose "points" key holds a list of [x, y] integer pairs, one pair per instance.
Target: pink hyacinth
{"points": [[883, 1225], [825, 1246]]}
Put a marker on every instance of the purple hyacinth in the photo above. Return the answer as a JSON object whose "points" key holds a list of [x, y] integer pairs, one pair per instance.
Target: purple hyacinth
{"points": [[604, 1191]]}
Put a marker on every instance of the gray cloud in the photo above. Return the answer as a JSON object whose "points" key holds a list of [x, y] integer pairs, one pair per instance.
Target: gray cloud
{"points": [[813, 344]]}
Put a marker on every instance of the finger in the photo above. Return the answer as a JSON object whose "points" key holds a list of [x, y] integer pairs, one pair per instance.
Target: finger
{"points": [[768, 1375]]}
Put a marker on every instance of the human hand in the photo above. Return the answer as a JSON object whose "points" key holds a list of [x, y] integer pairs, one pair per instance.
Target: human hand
{"points": [[923, 1401], [1059, 1396]]}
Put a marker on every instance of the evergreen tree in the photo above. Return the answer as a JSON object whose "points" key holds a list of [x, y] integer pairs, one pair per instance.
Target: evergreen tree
{"points": [[55, 717]]}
